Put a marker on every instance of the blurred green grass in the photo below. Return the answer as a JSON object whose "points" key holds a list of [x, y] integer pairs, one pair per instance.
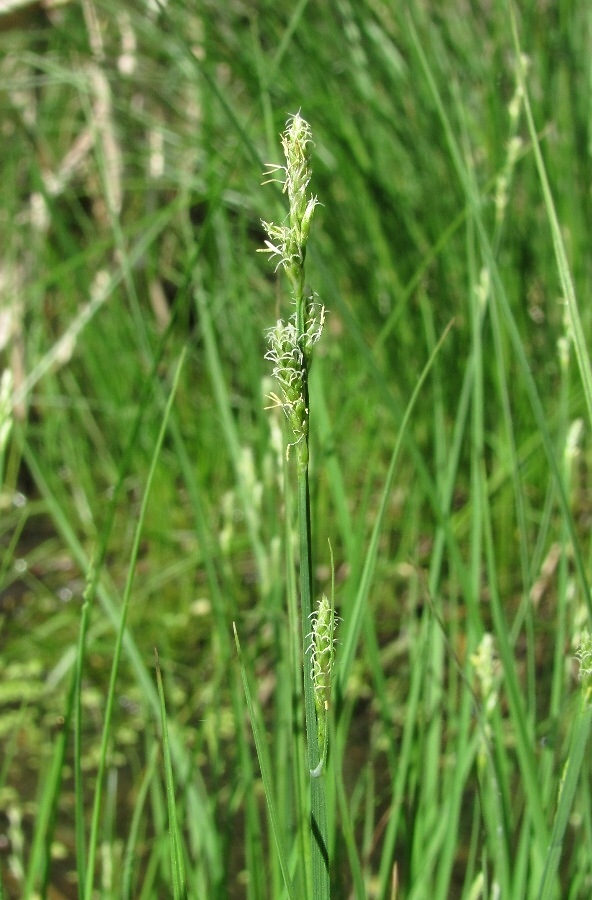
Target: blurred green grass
{"points": [[134, 141]]}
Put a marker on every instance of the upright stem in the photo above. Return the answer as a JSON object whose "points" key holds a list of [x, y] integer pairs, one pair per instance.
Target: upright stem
{"points": [[320, 855], [290, 350]]}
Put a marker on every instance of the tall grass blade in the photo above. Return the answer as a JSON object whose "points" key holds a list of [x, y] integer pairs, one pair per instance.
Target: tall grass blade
{"points": [[131, 849], [517, 343], [266, 775], [175, 844], [94, 831], [565, 278], [567, 791], [38, 869], [230, 433], [352, 627], [78, 780]]}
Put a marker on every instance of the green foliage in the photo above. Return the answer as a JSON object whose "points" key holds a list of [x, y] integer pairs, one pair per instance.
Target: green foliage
{"points": [[449, 469]]}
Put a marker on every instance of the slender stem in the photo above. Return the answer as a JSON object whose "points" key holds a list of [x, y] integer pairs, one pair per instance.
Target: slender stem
{"points": [[320, 855], [581, 734], [290, 349]]}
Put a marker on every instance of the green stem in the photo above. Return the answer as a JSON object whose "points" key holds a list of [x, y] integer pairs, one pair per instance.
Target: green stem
{"points": [[291, 350], [320, 856], [581, 734]]}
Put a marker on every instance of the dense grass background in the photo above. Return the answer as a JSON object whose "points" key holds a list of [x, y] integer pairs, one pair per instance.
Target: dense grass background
{"points": [[134, 137]]}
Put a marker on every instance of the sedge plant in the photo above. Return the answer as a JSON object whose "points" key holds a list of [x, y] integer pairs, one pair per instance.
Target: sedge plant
{"points": [[291, 344]]}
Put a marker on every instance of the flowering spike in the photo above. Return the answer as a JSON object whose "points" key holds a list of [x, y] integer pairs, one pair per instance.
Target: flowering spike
{"points": [[321, 651], [291, 343], [584, 655]]}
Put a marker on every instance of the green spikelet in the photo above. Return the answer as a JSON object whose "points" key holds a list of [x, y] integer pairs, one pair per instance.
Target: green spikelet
{"points": [[322, 655]]}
